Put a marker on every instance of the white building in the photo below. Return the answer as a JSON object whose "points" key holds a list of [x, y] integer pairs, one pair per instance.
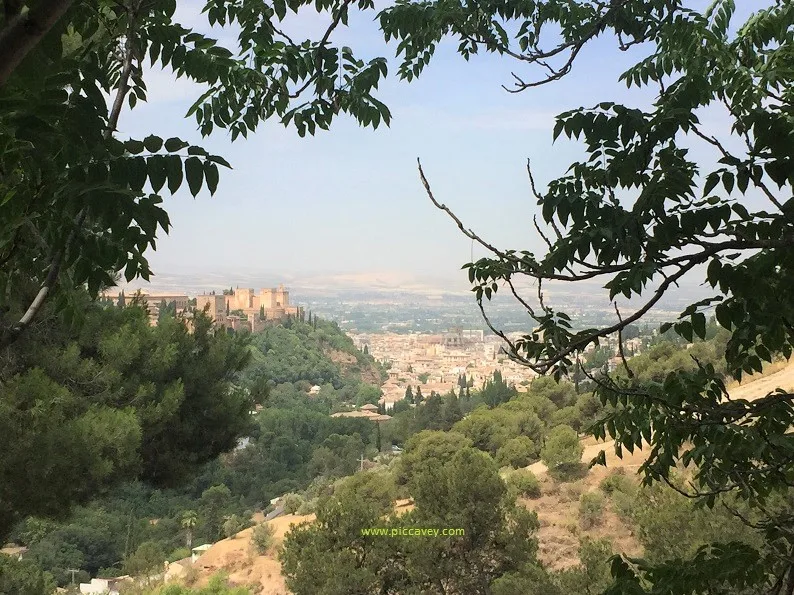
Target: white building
{"points": [[198, 550], [104, 586]]}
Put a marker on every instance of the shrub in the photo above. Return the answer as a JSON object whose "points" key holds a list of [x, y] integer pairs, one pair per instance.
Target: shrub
{"points": [[292, 502], [617, 482], [233, 525], [524, 483], [569, 472], [591, 509], [179, 553], [562, 448], [262, 538], [517, 452], [623, 504], [307, 507]]}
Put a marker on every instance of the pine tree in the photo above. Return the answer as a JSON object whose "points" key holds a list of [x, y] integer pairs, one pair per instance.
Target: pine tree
{"points": [[366, 349], [409, 394], [122, 301], [451, 411], [419, 398]]}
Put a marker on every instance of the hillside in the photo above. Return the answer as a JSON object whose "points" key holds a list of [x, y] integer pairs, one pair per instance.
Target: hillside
{"points": [[557, 509], [236, 557], [314, 353]]}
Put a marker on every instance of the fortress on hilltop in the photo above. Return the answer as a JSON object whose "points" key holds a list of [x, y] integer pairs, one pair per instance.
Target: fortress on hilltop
{"points": [[233, 308], [246, 307]]}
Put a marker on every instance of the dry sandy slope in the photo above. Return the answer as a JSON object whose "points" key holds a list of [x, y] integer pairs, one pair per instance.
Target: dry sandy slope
{"points": [[752, 387], [557, 511], [778, 375], [237, 558]]}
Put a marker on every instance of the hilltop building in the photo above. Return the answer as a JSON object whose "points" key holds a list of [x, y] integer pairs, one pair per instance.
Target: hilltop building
{"points": [[270, 303], [215, 307], [237, 309]]}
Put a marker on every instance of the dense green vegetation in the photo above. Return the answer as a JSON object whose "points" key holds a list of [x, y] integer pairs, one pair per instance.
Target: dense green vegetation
{"points": [[296, 447], [461, 490], [291, 441], [292, 357], [84, 408], [662, 195]]}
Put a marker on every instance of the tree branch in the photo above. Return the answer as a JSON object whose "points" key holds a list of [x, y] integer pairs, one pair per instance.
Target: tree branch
{"points": [[620, 344], [467, 232], [24, 31], [56, 262], [318, 61]]}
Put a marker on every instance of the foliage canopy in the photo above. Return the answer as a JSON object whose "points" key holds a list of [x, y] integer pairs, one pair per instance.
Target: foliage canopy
{"points": [[661, 196]]}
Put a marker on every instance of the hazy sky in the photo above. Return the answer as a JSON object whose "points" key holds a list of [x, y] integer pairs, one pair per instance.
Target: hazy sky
{"points": [[350, 200]]}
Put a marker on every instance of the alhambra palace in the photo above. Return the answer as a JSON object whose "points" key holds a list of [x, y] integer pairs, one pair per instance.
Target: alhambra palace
{"points": [[236, 309]]}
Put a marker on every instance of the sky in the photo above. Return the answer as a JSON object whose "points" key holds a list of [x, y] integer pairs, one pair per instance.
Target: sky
{"points": [[349, 201]]}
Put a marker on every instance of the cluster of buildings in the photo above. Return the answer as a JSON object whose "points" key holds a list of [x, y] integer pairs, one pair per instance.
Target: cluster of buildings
{"points": [[367, 411], [236, 309], [435, 363]]}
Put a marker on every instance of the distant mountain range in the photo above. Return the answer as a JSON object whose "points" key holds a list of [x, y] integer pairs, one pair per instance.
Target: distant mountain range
{"points": [[386, 284]]}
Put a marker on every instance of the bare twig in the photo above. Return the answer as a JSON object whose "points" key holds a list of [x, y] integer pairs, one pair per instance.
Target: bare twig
{"points": [[620, 344], [467, 232]]}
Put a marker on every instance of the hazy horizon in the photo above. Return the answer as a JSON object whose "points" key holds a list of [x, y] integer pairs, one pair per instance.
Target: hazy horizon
{"points": [[349, 201]]}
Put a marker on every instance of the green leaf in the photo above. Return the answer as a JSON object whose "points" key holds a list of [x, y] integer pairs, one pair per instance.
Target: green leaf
{"points": [[211, 176], [153, 143], [723, 314], [699, 324], [194, 172], [280, 7], [219, 161], [134, 146], [137, 173], [173, 168], [727, 181], [711, 182], [157, 171], [172, 145]]}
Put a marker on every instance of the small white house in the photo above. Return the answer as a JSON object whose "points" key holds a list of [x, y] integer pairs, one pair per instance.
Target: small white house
{"points": [[103, 586], [198, 550], [315, 390]]}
